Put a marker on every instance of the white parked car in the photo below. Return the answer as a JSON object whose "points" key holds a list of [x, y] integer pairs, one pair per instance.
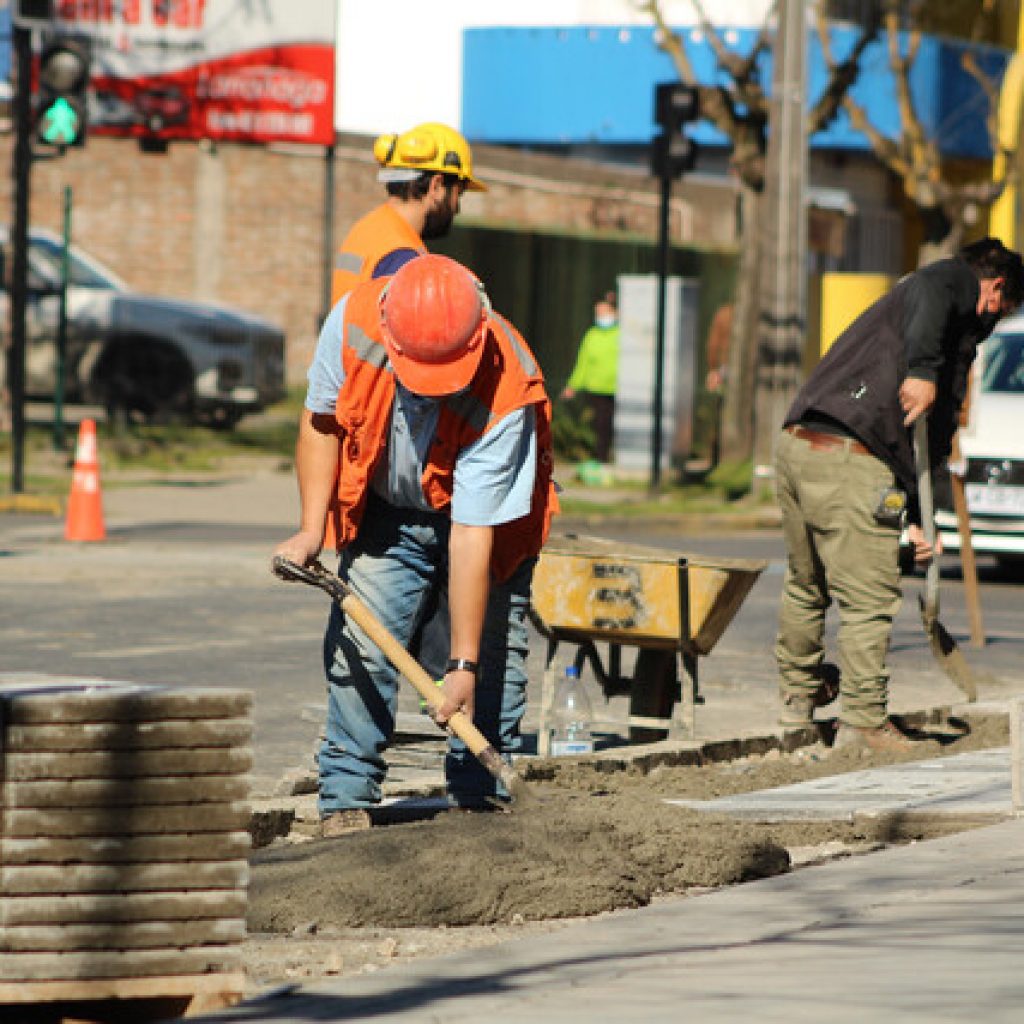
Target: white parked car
{"points": [[992, 446]]}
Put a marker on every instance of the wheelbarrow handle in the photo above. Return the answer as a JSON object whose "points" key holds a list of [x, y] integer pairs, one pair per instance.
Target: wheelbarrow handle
{"points": [[460, 723]]}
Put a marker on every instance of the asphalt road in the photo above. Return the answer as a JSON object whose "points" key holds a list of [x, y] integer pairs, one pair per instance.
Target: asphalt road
{"points": [[180, 594]]}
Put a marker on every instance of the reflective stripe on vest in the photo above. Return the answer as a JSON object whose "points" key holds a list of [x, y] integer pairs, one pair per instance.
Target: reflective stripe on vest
{"points": [[368, 350], [349, 262], [526, 360]]}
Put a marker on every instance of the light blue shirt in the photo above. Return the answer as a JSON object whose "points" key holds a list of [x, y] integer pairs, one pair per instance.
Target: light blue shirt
{"points": [[494, 476]]}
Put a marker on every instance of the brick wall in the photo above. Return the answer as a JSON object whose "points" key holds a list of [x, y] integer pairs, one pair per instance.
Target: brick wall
{"points": [[243, 225]]}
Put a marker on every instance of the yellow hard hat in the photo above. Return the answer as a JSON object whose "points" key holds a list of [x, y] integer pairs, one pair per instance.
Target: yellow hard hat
{"points": [[427, 147]]}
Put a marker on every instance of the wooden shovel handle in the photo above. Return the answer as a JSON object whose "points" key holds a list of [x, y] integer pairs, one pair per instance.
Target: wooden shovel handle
{"points": [[460, 723], [930, 605]]}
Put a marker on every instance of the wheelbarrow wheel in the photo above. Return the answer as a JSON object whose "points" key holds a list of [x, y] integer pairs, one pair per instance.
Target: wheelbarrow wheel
{"points": [[655, 690]]}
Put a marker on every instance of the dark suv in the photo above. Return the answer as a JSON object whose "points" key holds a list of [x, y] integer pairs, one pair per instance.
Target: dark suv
{"points": [[144, 357]]}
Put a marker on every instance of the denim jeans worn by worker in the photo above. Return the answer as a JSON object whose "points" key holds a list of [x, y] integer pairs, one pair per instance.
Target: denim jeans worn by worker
{"points": [[397, 565]]}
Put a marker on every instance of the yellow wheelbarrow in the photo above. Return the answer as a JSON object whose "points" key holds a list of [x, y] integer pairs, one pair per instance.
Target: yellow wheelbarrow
{"points": [[672, 607]]}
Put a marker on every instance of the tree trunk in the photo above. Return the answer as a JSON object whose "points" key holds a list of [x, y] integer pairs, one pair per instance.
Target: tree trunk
{"points": [[738, 405], [942, 236]]}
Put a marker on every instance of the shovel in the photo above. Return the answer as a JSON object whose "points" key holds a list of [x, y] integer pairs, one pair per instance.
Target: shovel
{"points": [[460, 723], [944, 647]]}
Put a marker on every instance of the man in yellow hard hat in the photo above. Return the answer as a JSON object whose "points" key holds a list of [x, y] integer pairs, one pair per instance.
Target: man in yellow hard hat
{"points": [[425, 171], [425, 445]]}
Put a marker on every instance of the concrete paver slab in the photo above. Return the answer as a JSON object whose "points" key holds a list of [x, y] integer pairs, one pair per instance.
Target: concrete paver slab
{"points": [[973, 783]]}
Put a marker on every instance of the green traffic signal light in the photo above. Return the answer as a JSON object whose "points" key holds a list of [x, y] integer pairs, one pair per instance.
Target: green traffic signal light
{"points": [[60, 123], [61, 108]]}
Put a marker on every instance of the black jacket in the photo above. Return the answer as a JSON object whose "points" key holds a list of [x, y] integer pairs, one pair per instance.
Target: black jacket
{"points": [[926, 327]]}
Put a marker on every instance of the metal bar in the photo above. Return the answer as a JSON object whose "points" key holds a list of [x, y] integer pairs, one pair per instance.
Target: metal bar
{"points": [[62, 329], [22, 168], [659, 331]]}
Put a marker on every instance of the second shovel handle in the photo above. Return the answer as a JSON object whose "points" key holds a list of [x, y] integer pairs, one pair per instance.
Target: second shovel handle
{"points": [[927, 505]]}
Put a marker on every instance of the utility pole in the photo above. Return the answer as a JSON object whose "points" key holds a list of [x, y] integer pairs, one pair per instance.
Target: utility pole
{"points": [[782, 322], [673, 153], [22, 52]]}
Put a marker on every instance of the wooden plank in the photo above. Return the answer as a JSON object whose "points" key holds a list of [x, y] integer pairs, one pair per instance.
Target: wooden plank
{"points": [[95, 989], [92, 821], [117, 764], [20, 880], [122, 704], [123, 964], [84, 793], [93, 908], [62, 938], [125, 849], [108, 736]]}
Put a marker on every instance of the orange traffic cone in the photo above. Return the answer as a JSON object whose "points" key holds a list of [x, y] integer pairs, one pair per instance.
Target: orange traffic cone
{"points": [[85, 505]]}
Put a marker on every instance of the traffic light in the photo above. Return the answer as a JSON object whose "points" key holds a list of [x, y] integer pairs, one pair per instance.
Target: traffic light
{"points": [[61, 110], [32, 13], [672, 151]]}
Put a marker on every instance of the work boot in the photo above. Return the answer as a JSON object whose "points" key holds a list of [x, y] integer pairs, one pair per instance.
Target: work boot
{"points": [[885, 738], [341, 823], [799, 710]]}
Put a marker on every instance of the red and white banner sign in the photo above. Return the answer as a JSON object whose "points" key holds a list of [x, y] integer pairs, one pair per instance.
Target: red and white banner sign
{"points": [[238, 70]]}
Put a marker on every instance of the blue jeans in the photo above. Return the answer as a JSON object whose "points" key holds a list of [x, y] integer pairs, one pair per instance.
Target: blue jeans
{"points": [[398, 565]]}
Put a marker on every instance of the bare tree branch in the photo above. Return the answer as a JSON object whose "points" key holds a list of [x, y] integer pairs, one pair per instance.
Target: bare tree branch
{"points": [[841, 76], [720, 104]]}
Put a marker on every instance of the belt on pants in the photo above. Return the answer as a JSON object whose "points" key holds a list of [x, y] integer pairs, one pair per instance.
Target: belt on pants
{"points": [[827, 442]]}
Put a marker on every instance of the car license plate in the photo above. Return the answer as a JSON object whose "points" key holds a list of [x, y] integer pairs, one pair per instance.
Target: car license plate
{"points": [[995, 498]]}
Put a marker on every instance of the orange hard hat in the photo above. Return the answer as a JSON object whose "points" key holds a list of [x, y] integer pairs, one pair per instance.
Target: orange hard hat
{"points": [[434, 316]]}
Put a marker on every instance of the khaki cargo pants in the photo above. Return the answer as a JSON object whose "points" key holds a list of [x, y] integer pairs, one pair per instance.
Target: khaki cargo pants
{"points": [[837, 552]]}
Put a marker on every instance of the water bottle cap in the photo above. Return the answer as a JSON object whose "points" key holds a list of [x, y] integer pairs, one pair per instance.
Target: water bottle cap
{"points": [[572, 672]]}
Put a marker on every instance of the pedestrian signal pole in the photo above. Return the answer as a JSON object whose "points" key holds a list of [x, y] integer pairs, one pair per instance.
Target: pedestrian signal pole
{"points": [[22, 51], [58, 119], [673, 153]]}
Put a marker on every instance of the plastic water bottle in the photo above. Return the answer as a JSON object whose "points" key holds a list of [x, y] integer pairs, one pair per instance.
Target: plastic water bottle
{"points": [[572, 716]]}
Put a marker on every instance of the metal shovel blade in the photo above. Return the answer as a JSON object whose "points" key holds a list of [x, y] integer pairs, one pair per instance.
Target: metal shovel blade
{"points": [[948, 654], [943, 646]]}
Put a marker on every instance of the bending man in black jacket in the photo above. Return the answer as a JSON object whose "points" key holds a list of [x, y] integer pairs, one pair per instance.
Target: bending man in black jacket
{"points": [[845, 472]]}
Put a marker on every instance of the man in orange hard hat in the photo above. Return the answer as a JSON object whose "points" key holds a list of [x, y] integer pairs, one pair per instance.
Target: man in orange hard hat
{"points": [[425, 443], [425, 170]]}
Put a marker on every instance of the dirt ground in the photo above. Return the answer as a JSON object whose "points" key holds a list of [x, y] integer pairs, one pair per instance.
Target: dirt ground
{"points": [[594, 841]]}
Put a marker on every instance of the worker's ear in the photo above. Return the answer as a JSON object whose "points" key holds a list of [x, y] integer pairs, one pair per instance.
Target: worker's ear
{"points": [[437, 189]]}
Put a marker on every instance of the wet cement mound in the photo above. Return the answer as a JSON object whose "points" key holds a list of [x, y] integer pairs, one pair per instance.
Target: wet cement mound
{"points": [[568, 856], [595, 841]]}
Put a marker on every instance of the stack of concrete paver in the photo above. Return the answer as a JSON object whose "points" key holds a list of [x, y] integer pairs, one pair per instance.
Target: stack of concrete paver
{"points": [[123, 840]]}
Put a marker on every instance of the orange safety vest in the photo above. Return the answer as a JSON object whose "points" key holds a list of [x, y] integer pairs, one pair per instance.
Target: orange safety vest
{"points": [[372, 237], [509, 378]]}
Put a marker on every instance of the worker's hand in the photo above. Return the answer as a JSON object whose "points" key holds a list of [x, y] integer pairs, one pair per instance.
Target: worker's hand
{"points": [[923, 551], [301, 548], [568, 394], [713, 381], [916, 398], [458, 691]]}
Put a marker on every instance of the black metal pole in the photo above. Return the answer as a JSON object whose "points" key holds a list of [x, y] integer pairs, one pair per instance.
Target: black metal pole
{"points": [[22, 47], [328, 253], [659, 332], [62, 329]]}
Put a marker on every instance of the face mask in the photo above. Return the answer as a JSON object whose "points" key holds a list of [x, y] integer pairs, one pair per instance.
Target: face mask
{"points": [[605, 321]]}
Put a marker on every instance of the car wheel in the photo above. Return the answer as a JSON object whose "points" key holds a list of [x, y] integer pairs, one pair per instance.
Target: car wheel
{"points": [[143, 382], [220, 418], [1010, 567]]}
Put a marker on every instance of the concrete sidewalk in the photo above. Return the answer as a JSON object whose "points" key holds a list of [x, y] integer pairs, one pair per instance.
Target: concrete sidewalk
{"points": [[932, 932]]}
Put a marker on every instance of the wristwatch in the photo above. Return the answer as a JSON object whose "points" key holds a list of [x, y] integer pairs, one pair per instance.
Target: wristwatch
{"points": [[461, 665]]}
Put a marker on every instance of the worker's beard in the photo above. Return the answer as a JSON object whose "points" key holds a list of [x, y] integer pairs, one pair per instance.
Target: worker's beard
{"points": [[437, 223]]}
